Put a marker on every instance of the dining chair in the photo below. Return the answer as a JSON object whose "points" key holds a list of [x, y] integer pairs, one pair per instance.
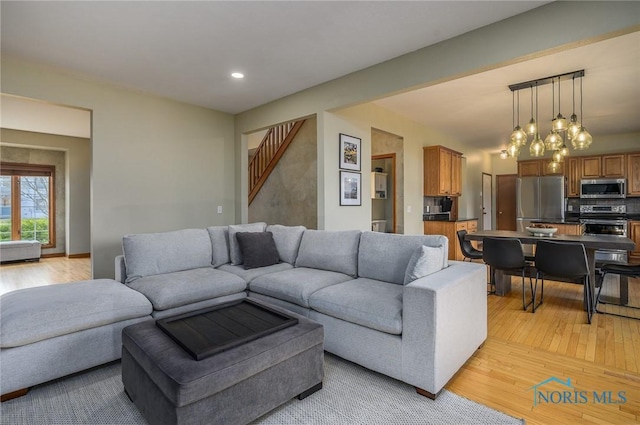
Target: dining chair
{"points": [[565, 260], [506, 254], [468, 250], [621, 270]]}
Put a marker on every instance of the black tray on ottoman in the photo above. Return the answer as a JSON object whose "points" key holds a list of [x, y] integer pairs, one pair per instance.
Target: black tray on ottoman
{"points": [[235, 385], [204, 333]]}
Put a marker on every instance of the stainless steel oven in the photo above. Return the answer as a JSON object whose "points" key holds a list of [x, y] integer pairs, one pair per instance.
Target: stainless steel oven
{"points": [[603, 188], [606, 220]]}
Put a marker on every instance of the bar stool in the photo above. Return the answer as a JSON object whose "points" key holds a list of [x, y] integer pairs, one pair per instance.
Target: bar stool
{"points": [[566, 260], [621, 270], [506, 254], [468, 250]]}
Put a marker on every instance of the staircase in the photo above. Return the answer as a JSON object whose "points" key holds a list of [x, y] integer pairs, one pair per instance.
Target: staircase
{"points": [[268, 153]]}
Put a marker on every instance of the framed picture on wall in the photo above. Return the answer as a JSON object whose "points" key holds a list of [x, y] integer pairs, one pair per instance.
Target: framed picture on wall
{"points": [[350, 188], [349, 152]]}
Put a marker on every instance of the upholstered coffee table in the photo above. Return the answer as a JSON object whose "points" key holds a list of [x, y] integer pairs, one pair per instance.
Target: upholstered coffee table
{"points": [[235, 382]]}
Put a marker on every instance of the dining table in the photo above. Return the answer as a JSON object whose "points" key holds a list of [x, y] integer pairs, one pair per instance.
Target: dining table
{"points": [[591, 243]]}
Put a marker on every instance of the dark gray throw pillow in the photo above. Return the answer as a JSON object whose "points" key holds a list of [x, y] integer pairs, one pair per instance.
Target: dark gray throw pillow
{"points": [[258, 249]]}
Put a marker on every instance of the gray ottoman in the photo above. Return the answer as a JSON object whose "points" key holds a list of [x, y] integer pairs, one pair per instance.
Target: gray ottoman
{"points": [[232, 387]]}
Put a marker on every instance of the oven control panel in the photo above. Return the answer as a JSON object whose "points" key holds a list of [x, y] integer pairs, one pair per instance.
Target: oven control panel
{"points": [[603, 209]]}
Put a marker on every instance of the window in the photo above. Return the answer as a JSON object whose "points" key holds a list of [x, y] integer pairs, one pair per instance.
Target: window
{"points": [[27, 206]]}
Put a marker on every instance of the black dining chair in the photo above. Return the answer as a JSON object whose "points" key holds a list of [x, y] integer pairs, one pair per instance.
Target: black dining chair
{"points": [[621, 270], [566, 260], [506, 254], [468, 250]]}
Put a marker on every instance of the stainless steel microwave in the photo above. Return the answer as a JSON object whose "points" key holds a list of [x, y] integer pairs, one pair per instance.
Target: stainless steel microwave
{"points": [[603, 188]]}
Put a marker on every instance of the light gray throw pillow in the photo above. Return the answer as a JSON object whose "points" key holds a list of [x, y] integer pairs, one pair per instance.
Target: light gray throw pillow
{"points": [[234, 247], [425, 261]]}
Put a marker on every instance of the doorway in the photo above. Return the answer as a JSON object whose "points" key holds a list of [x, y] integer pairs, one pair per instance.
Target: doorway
{"points": [[487, 209], [506, 201], [383, 193]]}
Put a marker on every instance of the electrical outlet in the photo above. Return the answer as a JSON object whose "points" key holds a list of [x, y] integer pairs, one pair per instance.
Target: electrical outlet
{"points": [[219, 209]]}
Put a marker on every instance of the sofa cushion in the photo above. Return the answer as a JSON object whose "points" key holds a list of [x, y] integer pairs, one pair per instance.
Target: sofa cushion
{"points": [[258, 249], [234, 249], [366, 302], [295, 285], [249, 274], [423, 262], [385, 256], [335, 251], [35, 314], [219, 245], [157, 253], [176, 289], [287, 240]]}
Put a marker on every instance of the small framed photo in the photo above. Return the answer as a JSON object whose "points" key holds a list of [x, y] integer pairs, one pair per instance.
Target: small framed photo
{"points": [[349, 152], [350, 188]]}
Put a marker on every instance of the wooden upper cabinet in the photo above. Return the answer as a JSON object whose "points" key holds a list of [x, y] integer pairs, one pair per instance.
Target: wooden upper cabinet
{"points": [[613, 166], [529, 168], [442, 171], [633, 175], [591, 167], [572, 172], [603, 166]]}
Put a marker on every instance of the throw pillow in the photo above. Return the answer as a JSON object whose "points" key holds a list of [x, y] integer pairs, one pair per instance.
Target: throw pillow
{"points": [[258, 249], [424, 261], [235, 254]]}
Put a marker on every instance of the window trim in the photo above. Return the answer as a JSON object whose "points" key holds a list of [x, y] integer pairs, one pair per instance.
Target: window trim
{"points": [[30, 170]]}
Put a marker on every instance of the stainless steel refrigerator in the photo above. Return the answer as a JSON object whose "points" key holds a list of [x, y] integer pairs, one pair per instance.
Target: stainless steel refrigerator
{"points": [[540, 199]]}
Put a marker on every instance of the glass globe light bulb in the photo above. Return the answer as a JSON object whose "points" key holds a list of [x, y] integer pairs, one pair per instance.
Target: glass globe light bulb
{"points": [[537, 146], [564, 150], [531, 128], [553, 167], [574, 127], [582, 140], [557, 156], [559, 123], [553, 141], [504, 154], [513, 150], [519, 137]]}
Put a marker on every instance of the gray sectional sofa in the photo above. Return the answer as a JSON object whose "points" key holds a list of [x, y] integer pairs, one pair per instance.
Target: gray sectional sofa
{"points": [[391, 303]]}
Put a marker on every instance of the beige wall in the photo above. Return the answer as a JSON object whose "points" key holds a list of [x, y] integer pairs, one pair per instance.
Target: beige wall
{"points": [[77, 220], [156, 164], [289, 195], [512, 40]]}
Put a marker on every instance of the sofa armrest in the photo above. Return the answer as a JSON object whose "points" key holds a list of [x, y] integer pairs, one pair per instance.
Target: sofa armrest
{"points": [[121, 270], [444, 321]]}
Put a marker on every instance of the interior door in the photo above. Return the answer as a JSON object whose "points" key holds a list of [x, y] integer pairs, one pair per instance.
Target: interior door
{"points": [[506, 201], [487, 209]]}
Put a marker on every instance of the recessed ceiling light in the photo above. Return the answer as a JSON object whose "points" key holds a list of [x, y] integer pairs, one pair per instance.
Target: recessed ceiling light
{"points": [[237, 75]]}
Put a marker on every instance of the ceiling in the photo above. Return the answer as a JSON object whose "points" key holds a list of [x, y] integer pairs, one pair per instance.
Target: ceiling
{"points": [[187, 50]]}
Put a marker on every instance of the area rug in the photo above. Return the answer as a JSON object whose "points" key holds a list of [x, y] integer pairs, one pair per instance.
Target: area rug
{"points": [[351, 395]]}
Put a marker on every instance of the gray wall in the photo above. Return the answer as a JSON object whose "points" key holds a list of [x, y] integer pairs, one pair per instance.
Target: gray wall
{"points": [[156, 164], [77, 177], [289, 196]]}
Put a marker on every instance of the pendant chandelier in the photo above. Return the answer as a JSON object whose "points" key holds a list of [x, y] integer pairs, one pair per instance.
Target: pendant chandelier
{"points": [[560, 129]]}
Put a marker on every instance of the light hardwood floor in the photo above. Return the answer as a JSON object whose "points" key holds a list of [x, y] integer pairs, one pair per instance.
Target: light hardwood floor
{"points": [[522, 350]]}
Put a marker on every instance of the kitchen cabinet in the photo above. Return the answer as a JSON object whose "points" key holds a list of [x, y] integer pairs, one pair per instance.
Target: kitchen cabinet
{"points": [[572, 170], [610, 166], [537, 168], [450, 229], [442, 171], [569, 229], [633, 174], [378, 185], [634, 235]]}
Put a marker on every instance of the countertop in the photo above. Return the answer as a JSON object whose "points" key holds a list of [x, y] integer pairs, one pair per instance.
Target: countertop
{"points": [[450, 220]]}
